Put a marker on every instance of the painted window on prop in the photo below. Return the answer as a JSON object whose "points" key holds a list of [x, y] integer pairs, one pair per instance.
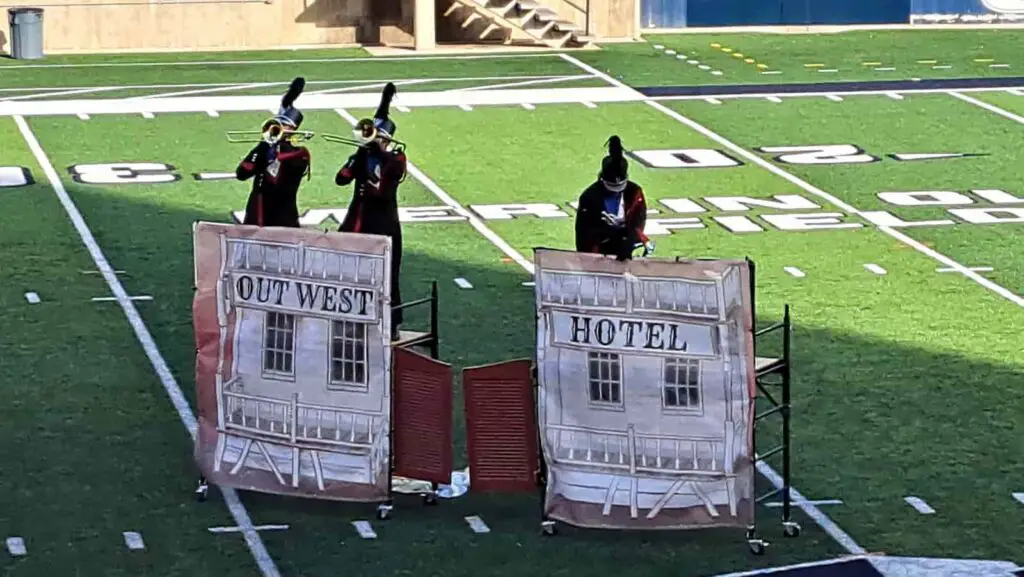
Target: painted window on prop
{"points": [[681, 389], [279, 344], [348, 354], [605, 378]]}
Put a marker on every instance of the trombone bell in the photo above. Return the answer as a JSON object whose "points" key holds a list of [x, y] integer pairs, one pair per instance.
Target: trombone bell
{"points": [[272, 132]]}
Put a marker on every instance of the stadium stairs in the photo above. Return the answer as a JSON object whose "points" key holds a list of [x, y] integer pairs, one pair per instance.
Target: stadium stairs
{"points": [[518, 22]]}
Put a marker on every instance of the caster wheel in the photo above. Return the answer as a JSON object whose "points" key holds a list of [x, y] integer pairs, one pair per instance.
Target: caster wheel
{"points": [[548, 529], [757, 546], [202, 490], [384, 512], [791, 529], [429, 499]]}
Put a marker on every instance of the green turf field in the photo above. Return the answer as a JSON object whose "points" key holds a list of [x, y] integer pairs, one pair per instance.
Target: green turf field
{"points": [[909, 367]]}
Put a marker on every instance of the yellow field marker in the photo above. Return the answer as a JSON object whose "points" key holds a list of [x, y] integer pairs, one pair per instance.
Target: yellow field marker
{"points": [[727, 50], [762, 66], [814, 65], [870, 63], [927, 61], [984, 59], [749, 60], [716, 45]]}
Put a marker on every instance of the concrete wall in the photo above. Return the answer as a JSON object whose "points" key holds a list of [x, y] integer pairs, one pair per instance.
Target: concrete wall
{"points": [[112, 25]]}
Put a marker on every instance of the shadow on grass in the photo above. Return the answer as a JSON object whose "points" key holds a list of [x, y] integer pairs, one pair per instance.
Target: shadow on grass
{"points": [[874, 421]]}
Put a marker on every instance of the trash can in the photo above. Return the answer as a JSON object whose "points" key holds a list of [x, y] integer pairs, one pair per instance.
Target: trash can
{"points": [[26, 33]]}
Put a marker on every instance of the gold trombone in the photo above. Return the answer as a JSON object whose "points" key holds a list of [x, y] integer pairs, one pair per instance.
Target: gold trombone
{"points": [[272, 132], [364, 133]]}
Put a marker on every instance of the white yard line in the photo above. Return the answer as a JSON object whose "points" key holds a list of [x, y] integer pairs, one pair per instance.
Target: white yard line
{"points": [[794, 271], [548, 80], [777, 504], [65, 92], [173, 64], [990, 107], [919, 505], [133, 540], [254, 528], [207, 90], [374, 86], [810, 188], [259, 552], [457, 208]]}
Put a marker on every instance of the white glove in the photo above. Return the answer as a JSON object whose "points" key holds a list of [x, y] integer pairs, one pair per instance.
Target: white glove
{"points": [[613, 220]]}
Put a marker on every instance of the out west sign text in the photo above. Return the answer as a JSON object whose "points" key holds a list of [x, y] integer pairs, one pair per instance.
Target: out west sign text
{"points": [[303, 298]]}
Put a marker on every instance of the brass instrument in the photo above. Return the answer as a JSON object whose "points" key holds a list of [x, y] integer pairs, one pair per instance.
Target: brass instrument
{"points": [[364, 133], [272, 132]]}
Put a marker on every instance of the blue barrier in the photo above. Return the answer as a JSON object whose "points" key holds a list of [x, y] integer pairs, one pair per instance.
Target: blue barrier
{"points": [[694, 13]]}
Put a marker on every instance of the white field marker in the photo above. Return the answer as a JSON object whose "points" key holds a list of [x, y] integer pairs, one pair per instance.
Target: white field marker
{"points": [[529, 106], [1016, 92], [1019, 497], [114, 299], [463, 283], [529, 283], [919, 505], [212, 113], [777, 504], [255, 528], [466, 107], [834, 98], [970, 268], [703, 67], [16, 546], [83, 116], [477, 524], [134, 541], [364, 529], [694, 62], [32, 298], [885, 69], [659, 47], [874, 268], [588, 104], [403, 109], [795, 271], [774, 99], [716, 72], [148, 115], [998, 65], [771, 72], [894, 95], [670, 52], [680, 57], [942, 67], [827, 70], [712, 101]]}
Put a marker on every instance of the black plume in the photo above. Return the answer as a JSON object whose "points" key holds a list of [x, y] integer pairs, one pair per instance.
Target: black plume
{"points": [[293, 92], [385, 100], [615, 147]]}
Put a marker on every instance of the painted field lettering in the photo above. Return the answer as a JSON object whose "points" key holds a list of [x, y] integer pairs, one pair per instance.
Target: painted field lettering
{"points": [[123, 173], [989, 215], [14, 176], [883, 218], [998, 196], [738, 224], [682, 205], [662, 226], [685, 158], [745, 203], [816, 221], [510, 211], [575, 205], [819, 154], [925, 198]]}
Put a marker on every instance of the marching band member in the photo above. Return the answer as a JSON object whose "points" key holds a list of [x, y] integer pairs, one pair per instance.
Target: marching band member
{"points": [[277, 166], [377, 168], [612, 211]]}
